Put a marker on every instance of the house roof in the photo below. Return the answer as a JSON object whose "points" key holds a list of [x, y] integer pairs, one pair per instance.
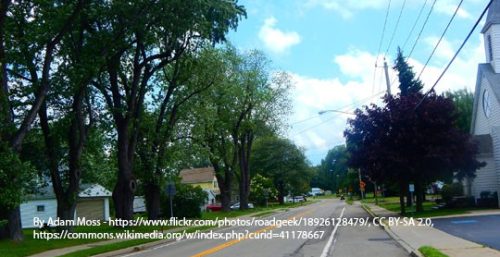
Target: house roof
{"points": [[485, 70], [493, 16], [198, 175], [484, 144], [93, 190]]}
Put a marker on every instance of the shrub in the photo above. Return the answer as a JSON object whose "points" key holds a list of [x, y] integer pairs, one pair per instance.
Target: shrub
{"points": [[186, 203], [451, 190], [488, 199]]}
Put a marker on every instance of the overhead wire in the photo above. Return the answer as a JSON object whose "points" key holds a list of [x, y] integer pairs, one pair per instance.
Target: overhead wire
{"points": [[395, 28], [380, 43], [414, 25], [441, 38], [421, 30], [456, 54]]}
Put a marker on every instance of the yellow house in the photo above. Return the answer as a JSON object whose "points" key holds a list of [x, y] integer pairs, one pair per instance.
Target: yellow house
{"points": [[204, 178]]}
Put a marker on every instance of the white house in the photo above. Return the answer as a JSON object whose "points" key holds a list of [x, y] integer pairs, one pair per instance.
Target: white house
{"points": [[485, 125], [93, 203]]}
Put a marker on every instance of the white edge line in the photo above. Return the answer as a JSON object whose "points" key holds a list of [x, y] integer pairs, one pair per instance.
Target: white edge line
{"points": [[330, 240]]}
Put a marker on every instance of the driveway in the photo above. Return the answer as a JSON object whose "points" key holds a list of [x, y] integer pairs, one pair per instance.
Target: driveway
{"points": [[480, 229]]}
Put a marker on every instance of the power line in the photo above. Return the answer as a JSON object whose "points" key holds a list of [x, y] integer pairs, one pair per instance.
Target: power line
{"points": [[327, 120], [395, 28], [415, 24], [380, 43], [441, 38], [422, 29], [456, 53]]}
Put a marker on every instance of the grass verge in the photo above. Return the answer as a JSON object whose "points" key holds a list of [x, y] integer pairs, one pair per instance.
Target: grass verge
{"points": [[392, 204], [429, 251]]}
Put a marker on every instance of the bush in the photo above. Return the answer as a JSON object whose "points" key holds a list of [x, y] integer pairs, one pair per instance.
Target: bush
{"points": [[451, 190], [488, 199], [261, 190], [186, 203]]}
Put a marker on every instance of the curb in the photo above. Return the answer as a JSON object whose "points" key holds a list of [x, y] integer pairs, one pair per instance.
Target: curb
{"points": [[133, 249], [411, 251]]}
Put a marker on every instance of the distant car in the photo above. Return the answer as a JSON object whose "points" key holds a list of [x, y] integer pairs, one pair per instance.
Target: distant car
{"points": [[214, 207], [297, 199], [236, 206]]}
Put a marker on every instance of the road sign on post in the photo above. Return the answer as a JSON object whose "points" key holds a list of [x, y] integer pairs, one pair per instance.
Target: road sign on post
{"points": [[170, 190]]}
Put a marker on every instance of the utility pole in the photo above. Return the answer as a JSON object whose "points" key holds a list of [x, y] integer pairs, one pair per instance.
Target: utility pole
{"points": [[387, 77]]}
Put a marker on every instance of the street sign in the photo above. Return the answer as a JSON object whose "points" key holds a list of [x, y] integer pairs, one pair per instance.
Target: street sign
{"points": [[412, 188], [170, 190], [362, 184]]}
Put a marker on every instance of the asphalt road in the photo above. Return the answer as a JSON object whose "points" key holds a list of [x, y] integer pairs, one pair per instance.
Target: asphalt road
{"points": [[351, 241], [480, 229]]}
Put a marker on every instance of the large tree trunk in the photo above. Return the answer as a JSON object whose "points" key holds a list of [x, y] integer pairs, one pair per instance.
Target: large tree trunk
{"points": [[225, 187], [153, 203], [244, 157], [123, 193], [14, 226], [66, 211], [281, 194]]}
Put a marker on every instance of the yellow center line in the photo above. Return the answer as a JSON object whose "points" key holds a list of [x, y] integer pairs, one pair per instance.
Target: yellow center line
{"points": [[235, 241]]}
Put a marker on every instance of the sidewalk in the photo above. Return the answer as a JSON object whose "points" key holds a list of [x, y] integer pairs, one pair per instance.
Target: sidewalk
{"points": [[413, 237]]}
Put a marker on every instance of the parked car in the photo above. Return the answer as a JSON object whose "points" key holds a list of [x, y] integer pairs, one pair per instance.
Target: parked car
{"points": [[297, 199], [214, 207], [236, 206]]}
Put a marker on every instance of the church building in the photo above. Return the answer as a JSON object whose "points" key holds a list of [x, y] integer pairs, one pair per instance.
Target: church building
{"points": [[485, 125]]}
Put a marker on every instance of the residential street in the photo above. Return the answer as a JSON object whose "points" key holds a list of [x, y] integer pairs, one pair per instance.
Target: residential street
{"points": [[345, 241]]}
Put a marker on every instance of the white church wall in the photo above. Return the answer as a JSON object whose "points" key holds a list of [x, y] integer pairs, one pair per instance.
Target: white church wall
{"points": [[483, 125]]}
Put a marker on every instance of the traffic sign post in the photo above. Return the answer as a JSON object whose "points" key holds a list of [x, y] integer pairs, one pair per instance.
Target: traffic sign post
{"points": [[170, 190], [411, 188]]}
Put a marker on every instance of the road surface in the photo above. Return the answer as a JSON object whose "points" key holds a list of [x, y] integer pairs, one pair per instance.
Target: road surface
{"points": [[480, 229], [351, 241]]}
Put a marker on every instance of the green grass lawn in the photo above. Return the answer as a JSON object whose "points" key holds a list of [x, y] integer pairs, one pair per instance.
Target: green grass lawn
{"points": [[392, 204], [428, 251]]}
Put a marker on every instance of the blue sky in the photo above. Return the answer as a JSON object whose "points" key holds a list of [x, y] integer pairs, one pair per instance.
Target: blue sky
{"points": [[330, 48]]}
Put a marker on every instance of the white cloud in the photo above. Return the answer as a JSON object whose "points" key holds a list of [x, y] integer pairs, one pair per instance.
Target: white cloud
{"points": [[275, 39], [448, 7], [347, 8]]}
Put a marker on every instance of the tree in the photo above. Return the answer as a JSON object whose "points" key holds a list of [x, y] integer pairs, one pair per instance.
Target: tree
{"points": [[283, 162], [262, 189], [333, 168], [407, 83], [397, 143], [142, 42], [248, 102], [463, 100], [410, 139], [31, 35], [187, 77]]}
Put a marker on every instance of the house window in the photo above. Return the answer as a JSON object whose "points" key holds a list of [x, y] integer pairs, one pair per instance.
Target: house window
{"points": [[490, 48], [40, 208]]}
